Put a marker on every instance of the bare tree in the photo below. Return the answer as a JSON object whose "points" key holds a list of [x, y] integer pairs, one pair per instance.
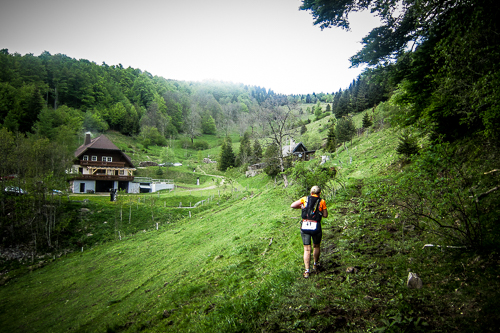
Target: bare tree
{"points": [[278, 114]]}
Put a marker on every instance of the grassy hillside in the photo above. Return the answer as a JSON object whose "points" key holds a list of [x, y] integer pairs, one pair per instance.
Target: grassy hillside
{"points": [[236, 264]]}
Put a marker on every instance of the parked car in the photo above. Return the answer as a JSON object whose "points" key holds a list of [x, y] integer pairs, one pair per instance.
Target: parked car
{"points": [[167, 164], [15, 190]]}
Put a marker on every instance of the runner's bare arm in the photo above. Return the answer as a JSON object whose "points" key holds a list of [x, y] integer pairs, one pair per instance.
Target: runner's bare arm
{"points": [[296, 204]]}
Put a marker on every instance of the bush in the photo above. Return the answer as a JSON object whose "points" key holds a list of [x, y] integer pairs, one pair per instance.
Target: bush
{"points": [[451, 191], [151, 136], [201, 145], [186, 143], [305, 175], [271, 159]]}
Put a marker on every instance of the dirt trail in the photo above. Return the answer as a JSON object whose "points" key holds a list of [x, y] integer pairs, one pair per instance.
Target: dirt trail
{"points": [[205, 188]]}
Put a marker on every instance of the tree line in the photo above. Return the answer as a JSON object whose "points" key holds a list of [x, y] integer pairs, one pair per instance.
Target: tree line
{"points": [[47, 93]]}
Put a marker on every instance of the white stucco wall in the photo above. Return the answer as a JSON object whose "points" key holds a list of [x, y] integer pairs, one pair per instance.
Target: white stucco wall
{"points": [[161, 186], [89, 185], [133, 187]]}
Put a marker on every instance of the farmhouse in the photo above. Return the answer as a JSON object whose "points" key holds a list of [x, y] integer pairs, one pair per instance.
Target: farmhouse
{"points": [[298, 151], [100, 166]]}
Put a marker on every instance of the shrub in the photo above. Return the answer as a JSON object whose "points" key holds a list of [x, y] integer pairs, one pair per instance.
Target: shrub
{"points": [[305, 175], [407, 145], [271, 158], [186, 143], [451, 191], [201, 145]]}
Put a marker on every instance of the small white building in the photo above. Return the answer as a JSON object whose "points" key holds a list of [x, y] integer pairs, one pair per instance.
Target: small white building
{"points": [[148, 185]]}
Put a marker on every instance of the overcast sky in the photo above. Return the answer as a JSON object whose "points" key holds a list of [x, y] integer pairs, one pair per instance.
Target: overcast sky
{"points": [[267, 43]]}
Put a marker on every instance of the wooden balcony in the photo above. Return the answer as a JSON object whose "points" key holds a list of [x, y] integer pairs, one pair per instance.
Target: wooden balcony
{"points": [[104, 177], [103, 164]]}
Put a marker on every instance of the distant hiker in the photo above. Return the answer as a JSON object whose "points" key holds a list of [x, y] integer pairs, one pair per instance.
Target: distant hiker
{"points": [[313, 209]]}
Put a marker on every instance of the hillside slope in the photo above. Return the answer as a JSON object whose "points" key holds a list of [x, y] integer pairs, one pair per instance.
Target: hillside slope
{"points": [[193, 265], [237, 267]]}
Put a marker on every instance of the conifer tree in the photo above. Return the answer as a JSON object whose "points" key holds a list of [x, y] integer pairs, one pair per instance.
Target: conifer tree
{"points": [[226, 157], [331, 142], [345, 129], [271, 158], [367, 123], [257, 152], [245, 153], [407, 145], [303, 129]]}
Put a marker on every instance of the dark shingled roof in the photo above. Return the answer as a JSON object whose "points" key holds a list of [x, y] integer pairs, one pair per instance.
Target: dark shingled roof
{"points": [[101, 142], [300, 144]]}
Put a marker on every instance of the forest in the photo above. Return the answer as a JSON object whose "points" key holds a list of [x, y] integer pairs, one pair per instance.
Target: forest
{"points": [[42, 93]]}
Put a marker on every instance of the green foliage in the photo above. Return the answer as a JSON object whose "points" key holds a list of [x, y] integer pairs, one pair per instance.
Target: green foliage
{"points": [[123, 99], [208, 124], [408, 145], [446, 192], [344, 130], [151, 136], [244, 265], [312, 140], [303, 129], [318, 112], [367, 122], [305, 175], [201, 145], [63, 124], [271, 159], [185, 143], [331, 141], [257, 151], [450, 78], [37, 166], [22, 107], [93, 122], [226, 157], [245, 153], [115, 115]]}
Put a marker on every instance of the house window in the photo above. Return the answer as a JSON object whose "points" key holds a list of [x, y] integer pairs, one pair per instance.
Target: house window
{"points": [[94, 158], [85, 157], [107, 159]]}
